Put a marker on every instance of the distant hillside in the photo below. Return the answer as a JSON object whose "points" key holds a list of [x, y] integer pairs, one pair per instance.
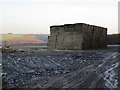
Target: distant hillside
{"points": [[43, 37], [113, 39], [24, 39], [10, 36]]}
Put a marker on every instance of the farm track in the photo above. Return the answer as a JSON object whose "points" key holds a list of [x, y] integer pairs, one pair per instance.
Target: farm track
{"points": [[61, 69]]}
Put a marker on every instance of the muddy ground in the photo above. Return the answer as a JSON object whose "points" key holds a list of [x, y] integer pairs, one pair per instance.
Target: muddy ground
{"points": [[61, 69]]}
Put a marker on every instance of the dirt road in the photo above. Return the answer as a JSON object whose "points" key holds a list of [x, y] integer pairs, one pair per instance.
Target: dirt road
{"points": [[61, 69]]}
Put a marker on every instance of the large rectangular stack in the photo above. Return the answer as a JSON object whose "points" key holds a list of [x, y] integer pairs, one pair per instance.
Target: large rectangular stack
{"points": [[79, 36]]}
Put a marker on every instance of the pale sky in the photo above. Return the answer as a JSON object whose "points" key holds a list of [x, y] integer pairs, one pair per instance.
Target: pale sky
{"points": [[36, 16]]}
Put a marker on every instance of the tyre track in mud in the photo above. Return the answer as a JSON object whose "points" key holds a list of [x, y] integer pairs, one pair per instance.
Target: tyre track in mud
{"points": [[91, 76], [84, 69]]}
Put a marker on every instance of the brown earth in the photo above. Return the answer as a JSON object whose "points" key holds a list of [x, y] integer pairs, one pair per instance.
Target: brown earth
{"points": [[26, 39]]}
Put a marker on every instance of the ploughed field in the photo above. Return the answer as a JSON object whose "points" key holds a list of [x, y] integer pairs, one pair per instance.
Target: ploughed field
{"points": [[61, 69], [24, 41]]}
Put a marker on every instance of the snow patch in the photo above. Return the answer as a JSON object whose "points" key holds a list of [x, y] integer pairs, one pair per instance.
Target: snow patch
{"points": [[111, 82], [114, 55]]}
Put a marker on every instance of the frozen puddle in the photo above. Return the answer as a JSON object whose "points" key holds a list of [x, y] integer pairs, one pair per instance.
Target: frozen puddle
{"points": [[111, 76]]}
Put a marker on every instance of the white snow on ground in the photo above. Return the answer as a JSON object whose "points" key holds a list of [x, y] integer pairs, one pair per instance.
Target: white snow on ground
{"points": [[105, 60], [111, 82], [23, 68], [111, 73]]}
